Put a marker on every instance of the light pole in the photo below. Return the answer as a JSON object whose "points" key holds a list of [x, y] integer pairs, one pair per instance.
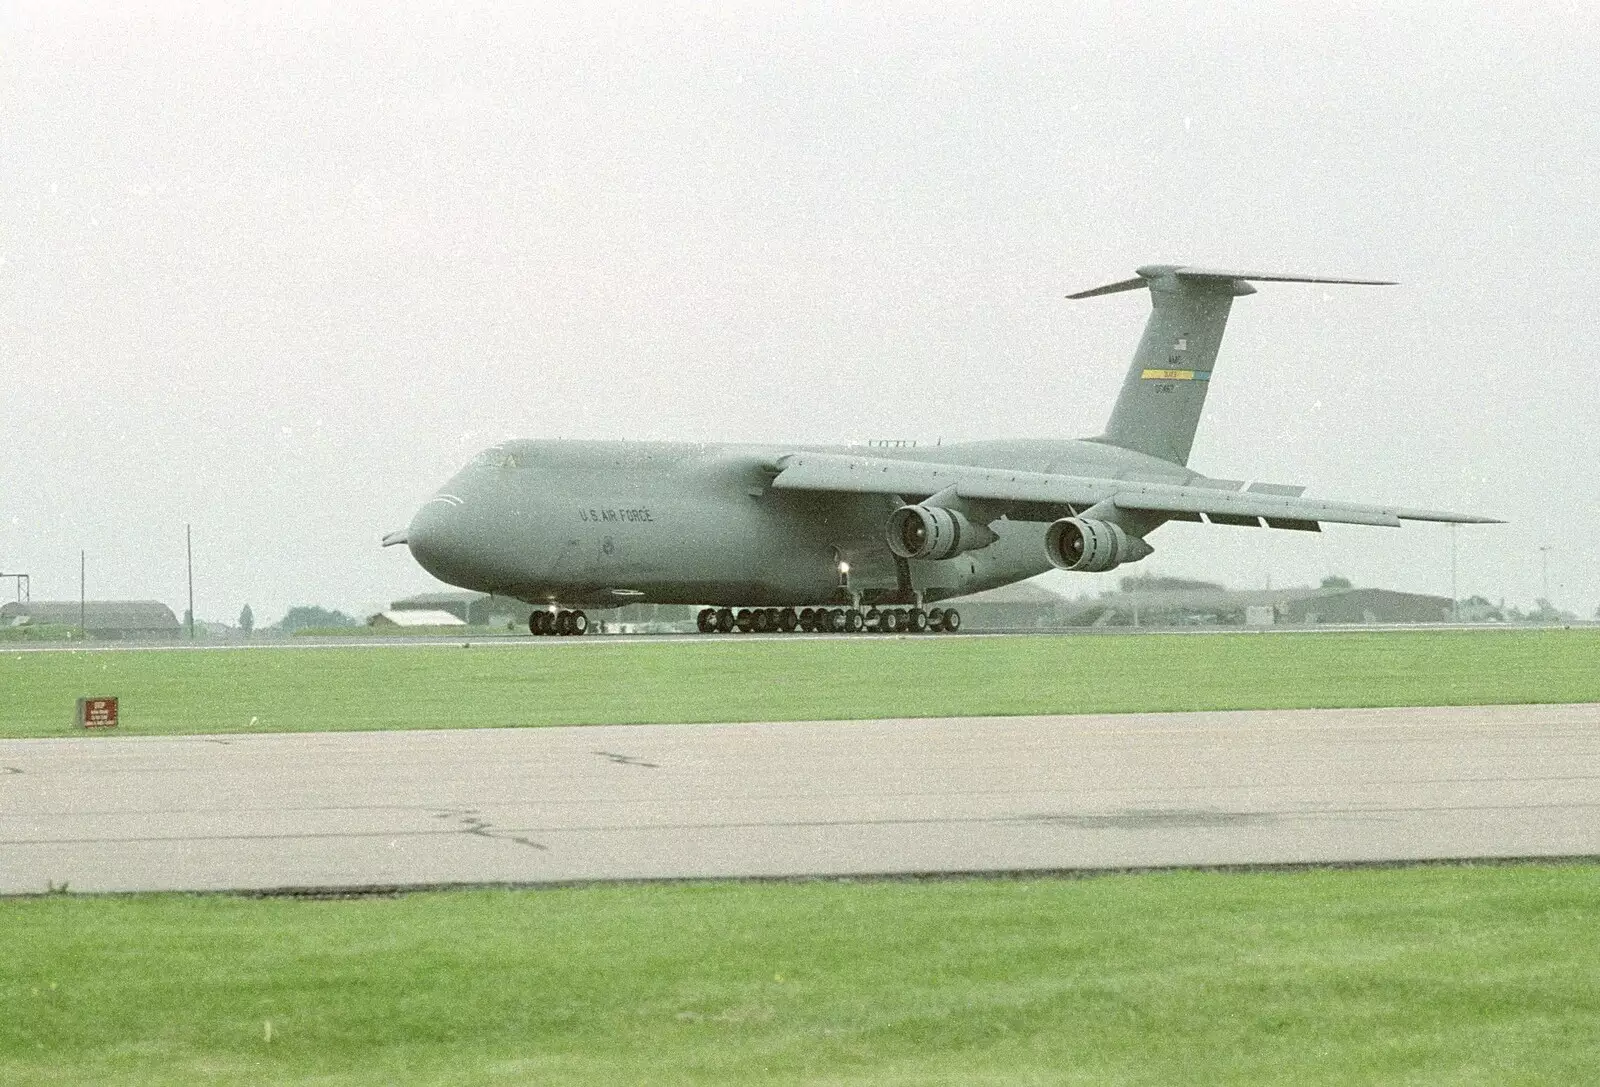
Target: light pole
{"points": [[188, 551]]}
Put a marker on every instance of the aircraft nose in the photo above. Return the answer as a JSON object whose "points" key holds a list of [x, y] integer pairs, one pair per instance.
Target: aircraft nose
{"points": [[435, 537]]}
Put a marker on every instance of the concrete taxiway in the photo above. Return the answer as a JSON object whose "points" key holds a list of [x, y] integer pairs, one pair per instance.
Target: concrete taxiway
{"points": [[820, 798]]}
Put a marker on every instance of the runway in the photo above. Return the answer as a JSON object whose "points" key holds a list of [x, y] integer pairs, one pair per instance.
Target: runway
{"points": [[545, 805]]}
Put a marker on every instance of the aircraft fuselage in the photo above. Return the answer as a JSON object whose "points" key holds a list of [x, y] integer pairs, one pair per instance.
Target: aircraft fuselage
{"points": [[602, 524]]}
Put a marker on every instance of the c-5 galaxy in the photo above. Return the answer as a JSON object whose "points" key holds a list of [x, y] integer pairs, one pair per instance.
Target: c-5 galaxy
{"points": [[780, 537]]}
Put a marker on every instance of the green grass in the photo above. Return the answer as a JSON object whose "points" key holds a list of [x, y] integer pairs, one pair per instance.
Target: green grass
{"points": [[559, 682], [38, 632], [1432, 975]]}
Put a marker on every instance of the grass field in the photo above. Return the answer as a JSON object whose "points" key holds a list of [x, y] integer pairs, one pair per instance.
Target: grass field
{"points": [[558, 682], [1433, 975]]}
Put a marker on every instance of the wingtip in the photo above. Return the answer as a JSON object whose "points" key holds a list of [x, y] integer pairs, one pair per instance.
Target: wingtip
{"points": [[1448, 518]]}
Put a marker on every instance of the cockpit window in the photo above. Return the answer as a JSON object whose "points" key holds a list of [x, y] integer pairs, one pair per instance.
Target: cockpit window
{"points": [[495, 458]]}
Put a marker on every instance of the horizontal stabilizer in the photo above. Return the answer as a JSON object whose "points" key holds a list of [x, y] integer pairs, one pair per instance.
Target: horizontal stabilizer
{"points": [[1273, 277], [1113, 288], [1220, 275]]}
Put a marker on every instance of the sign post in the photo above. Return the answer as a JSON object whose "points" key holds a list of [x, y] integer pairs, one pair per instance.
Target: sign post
{"points": [[97, 713]]}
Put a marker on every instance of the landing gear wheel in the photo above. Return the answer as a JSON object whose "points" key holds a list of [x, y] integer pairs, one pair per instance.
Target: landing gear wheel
{"points": [[759, 621], [853, 622], [952, 621], [745, 621], [724, 620], [836, 621], [533, 622], [917, 621], [808, 620], [577, 624], [872, 620], [936, 619], [894, 621], [563, 623], [787, 620], [706, 620]]}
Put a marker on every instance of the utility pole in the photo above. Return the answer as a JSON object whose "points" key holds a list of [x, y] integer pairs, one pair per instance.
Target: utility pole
{"points": [[188, 547], [83, 607]]}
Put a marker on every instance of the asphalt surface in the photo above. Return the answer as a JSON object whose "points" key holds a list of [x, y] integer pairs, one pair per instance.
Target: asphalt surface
{"points": [[512, 641], [519, 806]]}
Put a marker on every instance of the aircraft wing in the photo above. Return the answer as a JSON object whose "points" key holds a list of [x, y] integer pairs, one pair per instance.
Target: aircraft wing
{"points": [[1216, 500]]}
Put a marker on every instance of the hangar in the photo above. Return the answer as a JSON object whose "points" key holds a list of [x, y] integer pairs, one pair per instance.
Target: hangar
{"points": [[110, 620]]}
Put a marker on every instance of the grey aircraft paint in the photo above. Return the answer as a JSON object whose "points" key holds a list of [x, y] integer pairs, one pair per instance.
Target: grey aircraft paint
{"points": [[579, 524]]}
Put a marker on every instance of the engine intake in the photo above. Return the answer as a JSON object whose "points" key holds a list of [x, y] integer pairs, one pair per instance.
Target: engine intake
{"points": [[1084, 544], [934, 532]]}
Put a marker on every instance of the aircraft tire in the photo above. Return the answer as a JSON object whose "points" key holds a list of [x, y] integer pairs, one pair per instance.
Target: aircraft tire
{"points": [[788, 620], [871, 621], [563, 623], [952, 621], [917, 621], [578, 624], [533, 622], [808, 620], [936, 619], [706, 621], [745, 621], [853, 622], [760, 622], [836, 621], [724, 620]]}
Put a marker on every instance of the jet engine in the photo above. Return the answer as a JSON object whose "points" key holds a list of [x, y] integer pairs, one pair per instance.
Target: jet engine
{"points": [[1079, 543], [934, 532]]}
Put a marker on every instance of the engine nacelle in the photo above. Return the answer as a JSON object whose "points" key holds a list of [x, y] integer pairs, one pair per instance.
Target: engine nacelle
{"points": [[1079, 543], [934, 532]]}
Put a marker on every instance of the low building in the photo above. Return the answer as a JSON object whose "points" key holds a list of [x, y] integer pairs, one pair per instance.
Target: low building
{"points": [[1022, 605], [413, 618], [1033, 605], [111, 620], [473, 609], [1365, 606]]}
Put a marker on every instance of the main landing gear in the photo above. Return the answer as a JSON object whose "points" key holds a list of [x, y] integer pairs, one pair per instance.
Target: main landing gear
{"points": [[558, 622], [828, 620]]}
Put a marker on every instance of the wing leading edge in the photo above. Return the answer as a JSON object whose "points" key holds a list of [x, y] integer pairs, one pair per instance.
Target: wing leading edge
{"points": [[1214, 499]]}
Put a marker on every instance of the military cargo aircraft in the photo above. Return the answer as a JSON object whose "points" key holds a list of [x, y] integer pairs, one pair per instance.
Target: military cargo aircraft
{"points": [[785, 538]]}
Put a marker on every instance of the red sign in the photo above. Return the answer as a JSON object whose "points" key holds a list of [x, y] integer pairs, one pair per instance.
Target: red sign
{"points": [[97, 712]]}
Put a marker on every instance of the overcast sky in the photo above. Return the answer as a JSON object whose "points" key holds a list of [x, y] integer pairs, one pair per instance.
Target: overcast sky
{"points": [[278, 270]]}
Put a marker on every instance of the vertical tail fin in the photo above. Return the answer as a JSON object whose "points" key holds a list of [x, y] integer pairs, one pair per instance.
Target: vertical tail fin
{"points": [[1159, 407]]}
